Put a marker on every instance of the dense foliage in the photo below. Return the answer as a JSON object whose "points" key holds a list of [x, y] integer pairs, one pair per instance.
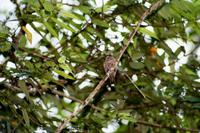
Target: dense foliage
{"points": [[42, 83]]}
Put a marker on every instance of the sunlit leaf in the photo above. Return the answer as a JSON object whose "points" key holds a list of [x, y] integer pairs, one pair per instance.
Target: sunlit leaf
{"points": [[72, 15], [48, 6], [63, 74], [63, 25], [148, 32], [100, 23], [50, 29], [65, 67]]}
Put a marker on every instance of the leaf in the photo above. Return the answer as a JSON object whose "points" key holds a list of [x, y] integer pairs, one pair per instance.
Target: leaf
{"points": [[4, 31], [167, 49], [5, 46], [136, 56], [28, 34], [148, 32], [196, 84], [126, 116], [24, 88], [63, 74], [50, 63], [65, 67], [94, 32], [29, 65], [72, 15], [50, 29], [48, 6], [196, 107], [101, 23], [63, 25], [26, 117], [184, 8], [84, 9], [136, 65], [165, 76], [186, 70], [192, 99], [62, 59], [77, 56], [179, 50], [87, 37], [105, 8], [22, 42]]}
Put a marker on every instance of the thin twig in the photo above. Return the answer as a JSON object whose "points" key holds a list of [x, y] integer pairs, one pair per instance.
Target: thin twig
{"points": [[136, 86], [101, 83]]}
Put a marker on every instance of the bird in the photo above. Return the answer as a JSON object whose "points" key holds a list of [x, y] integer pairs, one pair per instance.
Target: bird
{"points": [[109, 65]]}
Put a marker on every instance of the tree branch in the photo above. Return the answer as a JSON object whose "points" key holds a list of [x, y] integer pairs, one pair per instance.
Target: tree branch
{"points": [[101, 83]]}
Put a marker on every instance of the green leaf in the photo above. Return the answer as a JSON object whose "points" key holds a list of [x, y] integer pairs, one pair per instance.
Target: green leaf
{"points": [[94, 32], [196, 107], [5, 46], [188, 71], [196, 84], [105, 8], [22, 41], [50, 29], [62, 59], [48, 6], [24, 88], [136, 56], [4, 31], [26, 117], [192, 99], [50, 63], [126, 116], [63, 74], [63, 25], [84, 9], [87, 37], [29, 65], [179, 50], [167, 49], [136, 65], [148, 32], [72, 15], [78, 57], [101, 23], [65, 67]]}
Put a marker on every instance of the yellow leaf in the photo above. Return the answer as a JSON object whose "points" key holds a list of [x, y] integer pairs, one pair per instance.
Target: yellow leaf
{"points": [[28, 34]]}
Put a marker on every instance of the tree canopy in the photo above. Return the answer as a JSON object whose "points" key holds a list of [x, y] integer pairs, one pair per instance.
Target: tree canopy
{"points": [[52, 76]]}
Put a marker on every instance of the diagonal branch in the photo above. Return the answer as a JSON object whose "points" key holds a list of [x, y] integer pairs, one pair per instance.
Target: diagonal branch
{"points": [[101, 83]]}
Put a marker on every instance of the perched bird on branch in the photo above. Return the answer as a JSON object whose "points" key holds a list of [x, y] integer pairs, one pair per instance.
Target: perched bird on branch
{"points": [[109, 65]]}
